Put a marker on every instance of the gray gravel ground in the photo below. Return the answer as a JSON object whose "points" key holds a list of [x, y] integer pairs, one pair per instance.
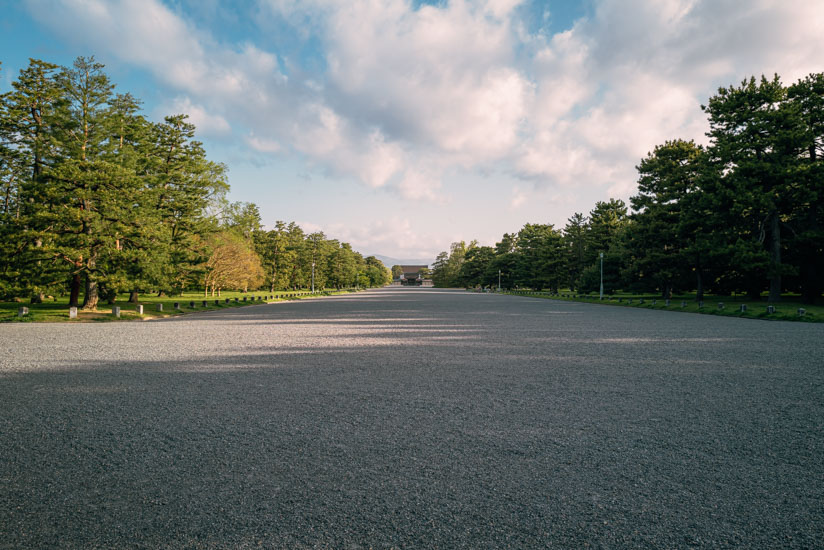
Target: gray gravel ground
{"points": [[413, 418]]}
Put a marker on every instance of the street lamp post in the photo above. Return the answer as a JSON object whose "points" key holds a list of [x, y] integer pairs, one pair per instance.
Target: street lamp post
{"points": [[602, 276], [499, 280], [313, 277]]}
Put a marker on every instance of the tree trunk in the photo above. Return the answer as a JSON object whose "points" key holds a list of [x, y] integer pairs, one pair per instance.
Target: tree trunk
{"points": [[8, 195], [775, 253], [74, 294], [810, 285], [133, 298], [91, 297]]}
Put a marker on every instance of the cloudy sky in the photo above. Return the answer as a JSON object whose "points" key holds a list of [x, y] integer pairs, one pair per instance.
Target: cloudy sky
{"points": [[401, 126]]}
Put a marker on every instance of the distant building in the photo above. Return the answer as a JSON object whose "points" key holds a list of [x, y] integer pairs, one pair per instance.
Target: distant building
{"points": [[411, 276]]}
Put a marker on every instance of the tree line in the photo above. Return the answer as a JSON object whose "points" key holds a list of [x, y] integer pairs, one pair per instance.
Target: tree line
{"points": [[742, 214], [96, 200]]}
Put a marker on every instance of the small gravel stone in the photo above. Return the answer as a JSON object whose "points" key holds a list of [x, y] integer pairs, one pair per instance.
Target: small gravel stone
{"points": [[413, 418]]}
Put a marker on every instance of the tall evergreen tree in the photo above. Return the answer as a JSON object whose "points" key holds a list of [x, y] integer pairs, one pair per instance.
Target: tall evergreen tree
{"points": [[807, 97], [576, 242], [755, 137], [658, 246]]}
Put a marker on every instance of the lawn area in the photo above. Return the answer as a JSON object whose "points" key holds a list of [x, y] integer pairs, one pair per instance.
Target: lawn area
{"points": [[57, 309], [786, 310]]}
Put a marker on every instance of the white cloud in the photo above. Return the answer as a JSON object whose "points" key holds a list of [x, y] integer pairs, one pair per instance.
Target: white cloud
{"points": [[519, 197], [263, 145], [417, 185], [399, 234], [437, 78], [411, 95], [635, 73], [206, 123]]}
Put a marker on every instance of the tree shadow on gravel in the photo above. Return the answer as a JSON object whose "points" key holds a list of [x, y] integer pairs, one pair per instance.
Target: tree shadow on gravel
{"points": [[397, 447]]}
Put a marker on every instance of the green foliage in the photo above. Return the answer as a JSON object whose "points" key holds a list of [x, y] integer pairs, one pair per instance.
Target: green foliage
{"points": [[95, 199], [447, 266], [576, 252], [744, 214], [657, 242]]}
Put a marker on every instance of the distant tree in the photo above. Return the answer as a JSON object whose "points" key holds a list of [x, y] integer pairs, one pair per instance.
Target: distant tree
{"points": [[231, 264], [447, 265], [475, 267], [376, 272], [659, 250], [575, 245], [242, 218], [440, 267], [504, 265], [539, 257]]}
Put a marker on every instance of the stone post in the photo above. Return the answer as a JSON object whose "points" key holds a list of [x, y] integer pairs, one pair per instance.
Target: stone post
{"points": [[192, 304], [22, 312], [720, 305], [743, 308], [140, 310], [177, 305], [205, 303], [801, 311], [160, 307], [770, 309], [217, 302], [116, 311], [667, 303], [683, 303], [72, 313]]}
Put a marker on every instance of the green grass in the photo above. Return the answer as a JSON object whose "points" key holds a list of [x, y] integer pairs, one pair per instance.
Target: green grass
{"points": [[786, 310], [57, 309]]}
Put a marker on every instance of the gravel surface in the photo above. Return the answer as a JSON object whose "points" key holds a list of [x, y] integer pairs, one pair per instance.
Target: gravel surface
{"points": [[413, 418]]}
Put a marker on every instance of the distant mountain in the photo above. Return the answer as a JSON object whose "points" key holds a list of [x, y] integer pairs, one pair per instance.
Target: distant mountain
{"points": [[388, 261]]}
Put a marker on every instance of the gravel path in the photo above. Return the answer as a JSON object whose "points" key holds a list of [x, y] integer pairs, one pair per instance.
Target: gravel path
{"points": [[413, 418]]}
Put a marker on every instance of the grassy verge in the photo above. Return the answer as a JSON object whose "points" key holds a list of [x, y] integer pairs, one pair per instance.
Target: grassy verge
{"points": [[786, 310], [57, 309]]}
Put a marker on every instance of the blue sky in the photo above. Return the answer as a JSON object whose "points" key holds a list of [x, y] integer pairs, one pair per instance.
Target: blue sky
{"points": [[402, 126]]}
